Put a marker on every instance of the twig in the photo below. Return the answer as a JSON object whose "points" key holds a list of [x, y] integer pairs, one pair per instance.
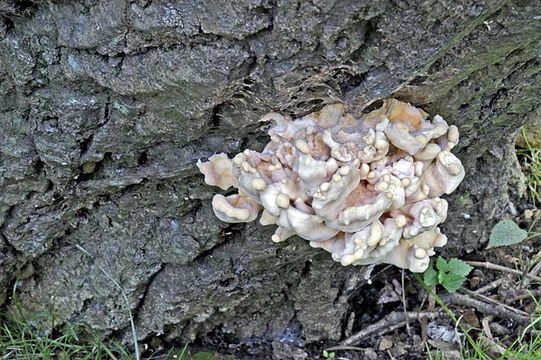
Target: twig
{"points": [[424, 323], [491, 266], [338, 348], [391, 320], [535, 270], [458, 325], [485, 324], [404, 303], [442, 303], [495, 349], [528, 295], [490, 286], [494, 302], [501, 312]]}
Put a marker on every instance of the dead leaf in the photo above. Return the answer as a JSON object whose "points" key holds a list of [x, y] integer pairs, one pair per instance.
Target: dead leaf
{"points": [[385, 344]]}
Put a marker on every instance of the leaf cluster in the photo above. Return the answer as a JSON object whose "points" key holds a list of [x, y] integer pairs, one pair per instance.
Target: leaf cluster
{"points": [[449, 274]]}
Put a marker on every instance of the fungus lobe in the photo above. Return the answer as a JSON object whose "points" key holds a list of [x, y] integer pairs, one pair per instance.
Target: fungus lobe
{"points": [[366, 190]]}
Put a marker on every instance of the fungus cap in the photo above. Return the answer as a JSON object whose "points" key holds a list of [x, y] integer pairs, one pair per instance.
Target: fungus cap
{"points": [[366, 190]]}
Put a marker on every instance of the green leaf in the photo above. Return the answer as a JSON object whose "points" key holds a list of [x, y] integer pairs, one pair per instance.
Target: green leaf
{"points": [[430, 277], [450, 274], [441, 264], [328, 355], [506, 233], [459, 267], [452, 282]]}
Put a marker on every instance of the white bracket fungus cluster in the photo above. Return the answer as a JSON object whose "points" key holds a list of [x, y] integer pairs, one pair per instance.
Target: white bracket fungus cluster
{"points": [[366, 190]]}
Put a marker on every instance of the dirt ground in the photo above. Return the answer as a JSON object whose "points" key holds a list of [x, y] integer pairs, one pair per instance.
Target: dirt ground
{"points": [[495, 305]]}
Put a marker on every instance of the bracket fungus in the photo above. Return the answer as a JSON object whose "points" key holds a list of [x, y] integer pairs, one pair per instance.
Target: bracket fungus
{"points": [[366, 190]]}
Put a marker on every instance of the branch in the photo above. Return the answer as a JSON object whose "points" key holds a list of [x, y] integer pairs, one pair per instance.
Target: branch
{"points": [[392, 321], [497, 310], [491, 266]]}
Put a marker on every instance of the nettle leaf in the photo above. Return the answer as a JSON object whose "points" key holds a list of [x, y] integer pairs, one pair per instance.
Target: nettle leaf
{"points": [[450, 274], [506, 233], [430, 277], [441, 264], [452, 282], [459, 267]]}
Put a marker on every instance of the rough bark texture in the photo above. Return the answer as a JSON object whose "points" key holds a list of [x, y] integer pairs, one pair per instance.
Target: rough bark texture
{"points": [[107, 104]]}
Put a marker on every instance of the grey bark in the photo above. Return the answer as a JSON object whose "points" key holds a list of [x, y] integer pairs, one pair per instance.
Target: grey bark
{"points": [[106, 105]]}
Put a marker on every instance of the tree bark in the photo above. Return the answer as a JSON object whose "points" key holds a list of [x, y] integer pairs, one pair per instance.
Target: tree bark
{"points": [[106, 105]]}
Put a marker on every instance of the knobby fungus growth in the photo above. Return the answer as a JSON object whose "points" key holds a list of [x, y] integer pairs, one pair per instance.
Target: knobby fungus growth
{"points": [[366, 190]]}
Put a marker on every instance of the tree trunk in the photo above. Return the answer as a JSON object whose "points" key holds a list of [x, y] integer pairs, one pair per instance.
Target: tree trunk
{"points": [[106, 105]]}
